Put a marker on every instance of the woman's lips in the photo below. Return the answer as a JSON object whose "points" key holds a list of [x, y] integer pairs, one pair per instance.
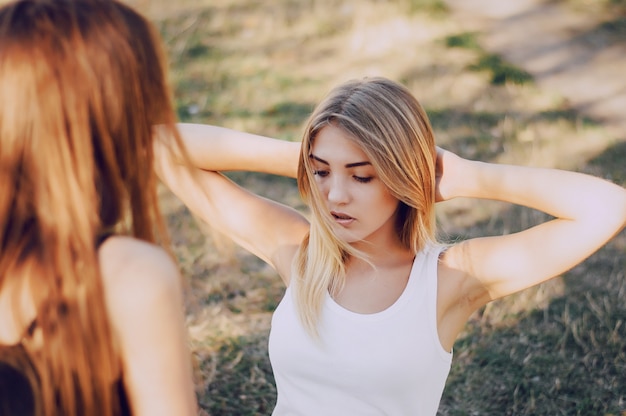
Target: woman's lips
{"points": [[342, 218]]}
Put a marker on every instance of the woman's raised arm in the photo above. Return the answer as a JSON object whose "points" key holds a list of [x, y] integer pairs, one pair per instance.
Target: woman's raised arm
{"points": [[227, 207], [588, 211], [222, 149]]}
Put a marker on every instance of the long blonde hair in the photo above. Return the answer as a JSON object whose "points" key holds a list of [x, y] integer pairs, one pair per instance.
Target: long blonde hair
{"points": [[82, 83], [388, 123]]}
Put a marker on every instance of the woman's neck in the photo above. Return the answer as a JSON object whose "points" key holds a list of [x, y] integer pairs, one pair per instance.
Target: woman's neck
{"points": [[382, 257], [381, 252]]}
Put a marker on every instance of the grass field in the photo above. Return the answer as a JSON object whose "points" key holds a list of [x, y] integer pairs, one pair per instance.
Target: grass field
{"points": [[260, 66]]}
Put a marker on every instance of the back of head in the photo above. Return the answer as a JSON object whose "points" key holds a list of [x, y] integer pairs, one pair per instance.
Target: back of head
{"points": [[82, 83]]}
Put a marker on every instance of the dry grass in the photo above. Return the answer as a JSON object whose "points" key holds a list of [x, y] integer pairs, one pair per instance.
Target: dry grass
{"points": [[261, 66]]}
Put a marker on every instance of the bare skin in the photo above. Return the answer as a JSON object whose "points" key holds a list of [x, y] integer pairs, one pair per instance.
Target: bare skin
{"points": [[144, 301], [588, 212]]}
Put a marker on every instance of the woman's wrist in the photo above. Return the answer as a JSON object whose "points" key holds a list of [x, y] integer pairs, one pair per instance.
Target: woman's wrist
{"points": [[458, 177]]}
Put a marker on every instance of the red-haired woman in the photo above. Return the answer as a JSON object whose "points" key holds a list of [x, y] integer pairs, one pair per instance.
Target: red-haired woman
{"points": [[91, 309]]}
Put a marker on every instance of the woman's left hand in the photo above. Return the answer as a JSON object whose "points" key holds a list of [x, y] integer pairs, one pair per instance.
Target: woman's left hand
{"points": [[448, 172]]}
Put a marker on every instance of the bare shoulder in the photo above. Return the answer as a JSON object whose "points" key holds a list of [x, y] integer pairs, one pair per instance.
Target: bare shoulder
{"points": [[136, 275], [458, 295], [450, 259], [129, 261], [450, 278], [283, 261], [457, 279], [144, 301]]}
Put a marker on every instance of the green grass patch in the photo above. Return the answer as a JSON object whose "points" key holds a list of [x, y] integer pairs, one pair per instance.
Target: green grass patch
{"points": [[243, 383], [501, 71], [465, 40], [435, 8], [261, 66], [612, 161], [288, 113]]}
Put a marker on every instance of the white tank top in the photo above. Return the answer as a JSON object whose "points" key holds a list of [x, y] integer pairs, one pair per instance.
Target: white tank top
{"points": [[385, 363]]}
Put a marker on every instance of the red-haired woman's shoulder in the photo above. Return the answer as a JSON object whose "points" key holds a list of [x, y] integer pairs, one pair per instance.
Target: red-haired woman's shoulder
{"points": [[143, 292], [137, 277], [127, 263]]}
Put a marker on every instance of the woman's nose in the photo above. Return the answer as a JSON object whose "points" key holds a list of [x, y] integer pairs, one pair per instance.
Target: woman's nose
{"points": [[337, 191]]}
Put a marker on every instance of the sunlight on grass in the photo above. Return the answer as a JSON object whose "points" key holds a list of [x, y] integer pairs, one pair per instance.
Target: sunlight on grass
{"points": [[501, 71], [262, 66]]}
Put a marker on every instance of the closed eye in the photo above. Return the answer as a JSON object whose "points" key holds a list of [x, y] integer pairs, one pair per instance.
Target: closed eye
{"points": [[363, 179], [321, 173]]}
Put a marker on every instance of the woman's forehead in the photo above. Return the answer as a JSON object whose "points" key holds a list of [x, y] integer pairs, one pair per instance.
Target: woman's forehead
{"points": [[334, 144]]}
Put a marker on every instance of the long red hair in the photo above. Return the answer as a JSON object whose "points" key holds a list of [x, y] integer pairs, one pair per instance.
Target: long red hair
{"points": [[82, 83]]}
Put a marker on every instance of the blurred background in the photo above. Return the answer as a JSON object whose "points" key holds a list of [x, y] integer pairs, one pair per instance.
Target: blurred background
{"points": [[539, 83]]}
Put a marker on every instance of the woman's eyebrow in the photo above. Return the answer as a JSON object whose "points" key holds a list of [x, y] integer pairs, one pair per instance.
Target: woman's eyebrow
{"points": [[348, 165]]}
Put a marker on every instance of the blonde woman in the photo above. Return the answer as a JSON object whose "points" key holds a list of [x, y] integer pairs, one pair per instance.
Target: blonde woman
{"points": [[91, 318], [374, 303]]}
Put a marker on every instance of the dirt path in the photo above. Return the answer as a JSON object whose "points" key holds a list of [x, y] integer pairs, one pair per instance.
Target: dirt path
{"points": [[577, 53]]}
